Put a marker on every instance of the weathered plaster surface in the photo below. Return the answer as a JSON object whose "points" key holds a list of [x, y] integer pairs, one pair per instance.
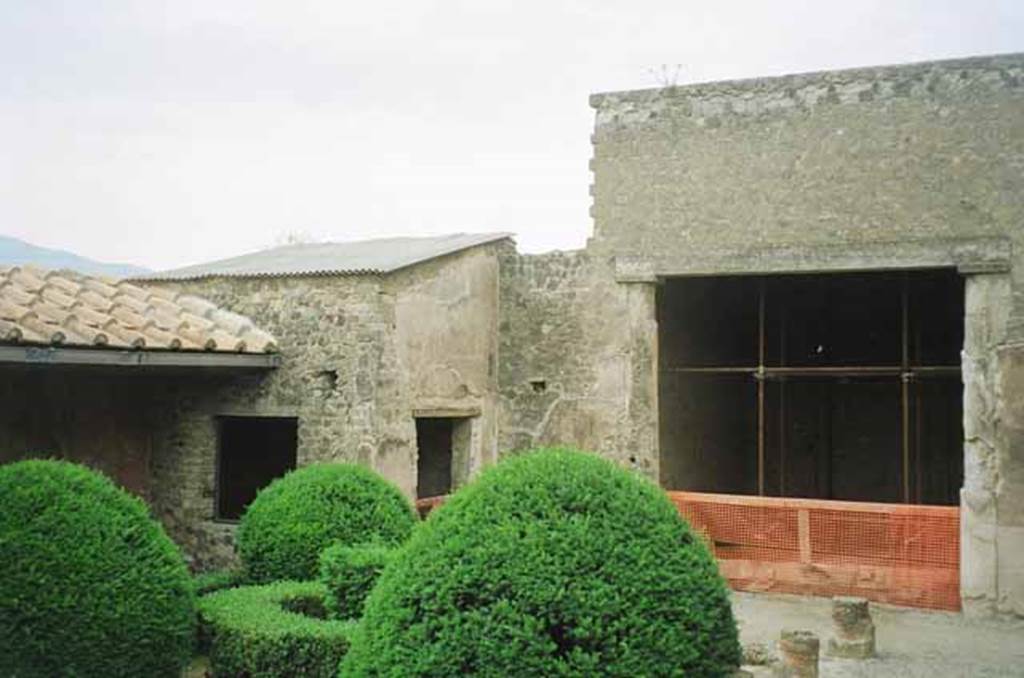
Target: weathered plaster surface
{"points": [[576, 359], [987, 309], [1010, 479], [446, 323]]}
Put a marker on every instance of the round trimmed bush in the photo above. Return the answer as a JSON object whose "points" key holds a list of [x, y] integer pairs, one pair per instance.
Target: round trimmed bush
{"points": [[555, 562], [91, 584], [296, 517], [349, 573], [272, 630]]}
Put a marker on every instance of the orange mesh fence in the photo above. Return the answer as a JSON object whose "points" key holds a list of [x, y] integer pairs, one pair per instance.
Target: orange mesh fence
{"points": [[890, 553], [426, 505], [900, 554]]}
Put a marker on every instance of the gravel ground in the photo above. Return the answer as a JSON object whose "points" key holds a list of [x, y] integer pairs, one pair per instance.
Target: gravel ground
{"points": [[909, 642]]}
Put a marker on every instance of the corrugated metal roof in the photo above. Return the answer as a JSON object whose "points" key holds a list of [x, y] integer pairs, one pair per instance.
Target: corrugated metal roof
{"points": [[366, 257], [65, 308]]}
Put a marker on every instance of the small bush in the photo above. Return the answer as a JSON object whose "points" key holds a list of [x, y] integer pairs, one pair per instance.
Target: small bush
{"points": [[348, 573], [272, 630], [551, 563], [296, 517], [91, 584], [216, 580]]}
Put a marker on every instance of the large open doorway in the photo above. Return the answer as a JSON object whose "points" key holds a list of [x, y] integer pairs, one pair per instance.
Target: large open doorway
{"points": [[837, 400], [842, 386]]}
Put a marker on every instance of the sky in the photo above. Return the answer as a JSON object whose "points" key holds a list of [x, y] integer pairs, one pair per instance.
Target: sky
{"points": [[164, 133]]}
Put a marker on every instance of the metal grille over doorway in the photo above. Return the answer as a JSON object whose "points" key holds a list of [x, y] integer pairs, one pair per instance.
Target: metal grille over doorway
{"points": [[804, 390]]}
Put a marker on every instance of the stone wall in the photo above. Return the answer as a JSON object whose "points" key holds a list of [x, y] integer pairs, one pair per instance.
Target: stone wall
{"points": [[361, 356], [1009, 495], [717, 175], [575, 367], [446, 334], [992, 498]]}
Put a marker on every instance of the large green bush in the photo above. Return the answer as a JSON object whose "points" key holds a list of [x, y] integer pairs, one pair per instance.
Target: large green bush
{"points": [[349, 573], [296, 517], [272, 630], [91, 585], [552, 563]]}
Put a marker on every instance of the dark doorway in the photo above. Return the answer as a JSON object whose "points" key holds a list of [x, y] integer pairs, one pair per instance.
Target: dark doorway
{"points": [[842, 386], [252, 451], [434, 439]]}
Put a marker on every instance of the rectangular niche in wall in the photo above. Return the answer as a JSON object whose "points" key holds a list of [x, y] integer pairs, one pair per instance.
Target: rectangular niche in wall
{"points": [[442, 445], [841, 386], [251, 452]]}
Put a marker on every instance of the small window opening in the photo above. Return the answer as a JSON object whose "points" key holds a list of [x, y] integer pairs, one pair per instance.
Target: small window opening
{"points": [[252, 451]]}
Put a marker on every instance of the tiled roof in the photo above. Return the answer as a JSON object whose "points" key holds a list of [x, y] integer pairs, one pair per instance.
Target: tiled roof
{"points": [[65, 308], [365, 257]]}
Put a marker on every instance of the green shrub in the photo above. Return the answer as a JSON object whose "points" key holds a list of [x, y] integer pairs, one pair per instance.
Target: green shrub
{"points": [[272, 630], [216, 580], [348, 573], [91, 584], [296, 517], [552, 563]]}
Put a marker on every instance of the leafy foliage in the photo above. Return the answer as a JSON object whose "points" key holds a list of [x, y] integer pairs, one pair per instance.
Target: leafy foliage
{"points": [[272, 630], [552, 563], [296, 517], [216, 580], [349, 573], [91, 585]]}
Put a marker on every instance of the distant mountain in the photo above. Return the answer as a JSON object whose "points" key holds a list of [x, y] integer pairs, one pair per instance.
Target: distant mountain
{"points": [[14, 252]]}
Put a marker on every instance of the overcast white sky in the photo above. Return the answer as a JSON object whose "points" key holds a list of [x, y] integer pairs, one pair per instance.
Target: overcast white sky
{"points": [[170, 132]]}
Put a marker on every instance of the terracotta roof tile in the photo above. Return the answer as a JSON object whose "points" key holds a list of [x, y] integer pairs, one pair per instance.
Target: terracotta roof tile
{"points": [[72, 309], [9, 332]]}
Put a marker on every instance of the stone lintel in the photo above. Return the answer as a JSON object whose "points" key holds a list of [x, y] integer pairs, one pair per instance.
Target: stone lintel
{"points": [[967, 255], [260, 411], [447, 412]]}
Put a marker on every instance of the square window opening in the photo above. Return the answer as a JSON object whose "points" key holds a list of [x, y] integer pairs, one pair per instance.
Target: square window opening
{"points": [[251, 452]]}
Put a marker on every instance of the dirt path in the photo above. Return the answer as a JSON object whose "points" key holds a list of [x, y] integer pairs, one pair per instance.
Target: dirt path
{"points": [[910, 642]]}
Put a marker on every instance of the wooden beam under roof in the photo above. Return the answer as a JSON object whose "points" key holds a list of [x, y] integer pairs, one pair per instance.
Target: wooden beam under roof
{"points": [[118, 358]]}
